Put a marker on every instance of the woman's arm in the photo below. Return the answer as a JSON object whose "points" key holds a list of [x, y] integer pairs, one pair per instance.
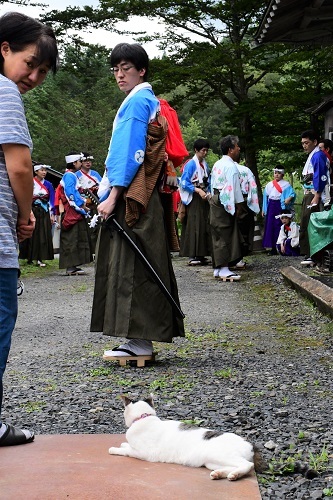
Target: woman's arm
{"points": [[19, 168]]}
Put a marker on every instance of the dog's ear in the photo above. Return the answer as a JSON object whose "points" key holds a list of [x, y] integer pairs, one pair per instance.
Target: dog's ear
{"points": [[150, 400], [126, 400]]}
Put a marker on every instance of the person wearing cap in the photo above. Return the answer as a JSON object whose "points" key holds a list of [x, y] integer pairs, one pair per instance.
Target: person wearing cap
{"points": [[287, 243], [40, 246], [278, 194], [75, 242], [89, 180], [315, 185]]}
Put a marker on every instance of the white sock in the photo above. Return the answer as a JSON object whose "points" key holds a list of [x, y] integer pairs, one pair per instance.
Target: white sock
{"points": [[139, 347], [224, 271], [3, 429]]}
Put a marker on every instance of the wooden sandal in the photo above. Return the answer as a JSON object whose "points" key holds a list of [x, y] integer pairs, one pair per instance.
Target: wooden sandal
{"points": [[230, 277]]}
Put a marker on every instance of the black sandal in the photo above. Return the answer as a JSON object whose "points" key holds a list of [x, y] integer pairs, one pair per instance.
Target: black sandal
{"points": [[14, 436]]}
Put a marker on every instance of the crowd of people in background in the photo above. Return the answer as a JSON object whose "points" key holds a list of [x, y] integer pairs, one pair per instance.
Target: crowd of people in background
{"points": [[215, 208]]}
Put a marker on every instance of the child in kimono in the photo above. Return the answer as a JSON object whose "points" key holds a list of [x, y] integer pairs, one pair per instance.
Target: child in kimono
{"points": [[288, 241], [278, 195]]}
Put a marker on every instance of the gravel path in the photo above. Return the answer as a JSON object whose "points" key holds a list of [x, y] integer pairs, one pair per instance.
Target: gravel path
{"points": [[257, 360]]}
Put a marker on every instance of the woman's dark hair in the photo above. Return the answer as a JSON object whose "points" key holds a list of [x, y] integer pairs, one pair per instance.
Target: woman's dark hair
{"points": [[131, 52], [200, 144], [20, 31]]}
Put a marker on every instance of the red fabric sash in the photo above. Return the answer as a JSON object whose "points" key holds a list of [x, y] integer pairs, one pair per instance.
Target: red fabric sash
{"points": [[277, 186], [175, 146], [41, 185], [89, 177]]}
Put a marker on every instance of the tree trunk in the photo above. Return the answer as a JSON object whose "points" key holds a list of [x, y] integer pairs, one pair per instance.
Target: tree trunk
{"points": [[250, 152]]}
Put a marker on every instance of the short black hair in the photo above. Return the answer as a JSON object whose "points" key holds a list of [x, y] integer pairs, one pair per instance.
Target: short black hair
{"points": [[310, 134], [86, 155], [228, 142], [131, 52], [200, 144], [328, 144], [20, 31]]}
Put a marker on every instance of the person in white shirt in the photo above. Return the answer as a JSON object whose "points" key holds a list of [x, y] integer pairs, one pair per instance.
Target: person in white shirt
{"points": [[226, 204]]}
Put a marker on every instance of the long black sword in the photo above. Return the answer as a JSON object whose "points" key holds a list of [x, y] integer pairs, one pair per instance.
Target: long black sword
{"points": [[112, 223]]}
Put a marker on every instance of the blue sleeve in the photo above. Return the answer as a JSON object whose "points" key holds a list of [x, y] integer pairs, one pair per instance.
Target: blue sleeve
{"points": [[97, 175], [319, 171], [185, 180], [69, 182], [52, 195], [128, 141], [264, 202], [288, 192]]}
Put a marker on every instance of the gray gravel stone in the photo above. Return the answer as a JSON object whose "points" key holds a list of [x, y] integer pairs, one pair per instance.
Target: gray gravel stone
{"points": [[257, 360]]}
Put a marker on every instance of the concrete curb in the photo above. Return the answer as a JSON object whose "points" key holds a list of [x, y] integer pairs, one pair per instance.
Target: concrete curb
{"points": [[317, 292]]}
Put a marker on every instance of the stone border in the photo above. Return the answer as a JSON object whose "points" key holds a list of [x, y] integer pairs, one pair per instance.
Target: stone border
{"points": [[317, 292]]}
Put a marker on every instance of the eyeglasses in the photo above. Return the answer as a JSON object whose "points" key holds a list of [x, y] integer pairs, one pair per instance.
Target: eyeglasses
{"points": [[123, 69]]}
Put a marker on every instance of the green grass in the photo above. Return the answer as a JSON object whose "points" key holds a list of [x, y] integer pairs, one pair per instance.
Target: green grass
{"points": [[100, 372], [33, 406], [33, 271], [225, 373]]}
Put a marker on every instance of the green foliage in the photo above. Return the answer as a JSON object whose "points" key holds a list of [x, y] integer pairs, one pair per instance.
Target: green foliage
{"points": [[209, 72], [33, 406], [224, 373], [75, 109], [100, 372], [319, 461], [191, 132]]}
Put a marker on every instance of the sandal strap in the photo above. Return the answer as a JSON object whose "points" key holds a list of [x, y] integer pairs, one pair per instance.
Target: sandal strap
{"points": [[14, 436], [122, 349]]}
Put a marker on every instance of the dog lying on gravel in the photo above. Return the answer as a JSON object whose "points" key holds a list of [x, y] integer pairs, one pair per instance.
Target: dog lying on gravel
{"points": [[155, 440]]}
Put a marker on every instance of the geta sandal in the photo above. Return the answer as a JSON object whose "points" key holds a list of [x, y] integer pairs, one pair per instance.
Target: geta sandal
{"points": [[14, 436]]}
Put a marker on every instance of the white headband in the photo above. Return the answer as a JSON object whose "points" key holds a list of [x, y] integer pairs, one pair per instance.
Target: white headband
{"points": [[87, 157], [281, 170], [39, 166], [73, 158], [284, 215]]}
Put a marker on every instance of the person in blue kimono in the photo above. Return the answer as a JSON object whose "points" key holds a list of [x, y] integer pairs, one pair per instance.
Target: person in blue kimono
{"points": [[278, 194], [75, 241], [127, 301], [195, 240]]}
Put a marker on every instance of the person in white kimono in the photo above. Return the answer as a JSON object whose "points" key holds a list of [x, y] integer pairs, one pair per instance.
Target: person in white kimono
{"points": [[226, 205], [89, 179], [247, 224], [288, 241]]}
